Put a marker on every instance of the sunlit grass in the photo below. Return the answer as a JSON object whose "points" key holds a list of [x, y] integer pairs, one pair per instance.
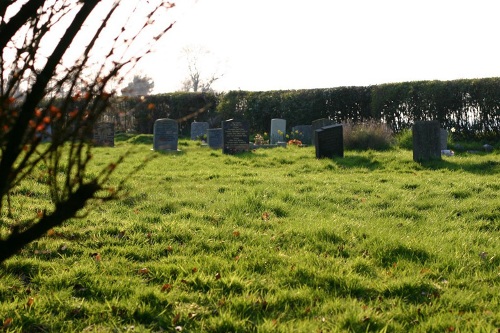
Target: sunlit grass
{"points": [[271, 240]]}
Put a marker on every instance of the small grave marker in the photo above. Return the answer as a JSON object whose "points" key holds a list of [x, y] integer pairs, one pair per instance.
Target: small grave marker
{"points": [[198, 130], [103, 134], [303, 133], [165, 135], [317, 124], [214, 138], [329, 141], [235, 136], [278, 130], [426, 141]]}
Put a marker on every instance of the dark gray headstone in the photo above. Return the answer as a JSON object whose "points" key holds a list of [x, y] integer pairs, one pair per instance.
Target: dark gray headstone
{"points": [[103, 135], [235, 136], [214, 138], [165, 135], [317, 124], [198, 130], [278, 130], [426, 141], [443, 139], [303, 133], [329, 141]]}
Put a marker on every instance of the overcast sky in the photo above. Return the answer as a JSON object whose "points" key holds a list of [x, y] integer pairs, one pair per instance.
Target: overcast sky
{"points": [[298, 44]]}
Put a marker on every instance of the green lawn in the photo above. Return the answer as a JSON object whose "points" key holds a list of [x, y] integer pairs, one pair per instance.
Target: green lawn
{"points": [[267, 241]]}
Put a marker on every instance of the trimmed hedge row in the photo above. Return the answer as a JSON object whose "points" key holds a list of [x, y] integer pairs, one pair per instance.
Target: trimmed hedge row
{"points": [[472, 107]]}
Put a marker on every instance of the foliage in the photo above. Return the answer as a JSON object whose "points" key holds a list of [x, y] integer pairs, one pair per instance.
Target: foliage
{"points": [[272, 240], [405, 139], [139, 86], [367, 135], [183, 107], [55, 85], [198, 57], [472, 107]]}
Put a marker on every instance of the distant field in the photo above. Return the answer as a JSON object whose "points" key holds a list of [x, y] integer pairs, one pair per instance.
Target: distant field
{"points": [[268, 241]]}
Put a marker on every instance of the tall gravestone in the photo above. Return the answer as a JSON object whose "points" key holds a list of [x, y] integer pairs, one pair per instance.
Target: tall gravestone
{"points": [[214, 138], [103, 134], [317, 124], [278, 130], [329, 141], [303, 133], [165, 135], [235, 136], [443, 138], [198, 130], [426, 141]]}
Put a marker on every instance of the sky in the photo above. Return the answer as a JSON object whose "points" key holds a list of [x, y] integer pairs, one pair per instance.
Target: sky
{"points": [[259, 45]]}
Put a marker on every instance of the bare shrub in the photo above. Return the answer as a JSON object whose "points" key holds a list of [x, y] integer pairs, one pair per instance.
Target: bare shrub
{"points": [[367, 135]]}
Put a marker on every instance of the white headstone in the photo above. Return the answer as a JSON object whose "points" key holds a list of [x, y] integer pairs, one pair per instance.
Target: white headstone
{"points": [[278, 130]]}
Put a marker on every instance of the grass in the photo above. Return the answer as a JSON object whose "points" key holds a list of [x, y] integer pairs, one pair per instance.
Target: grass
{"points": [[272, 240]]}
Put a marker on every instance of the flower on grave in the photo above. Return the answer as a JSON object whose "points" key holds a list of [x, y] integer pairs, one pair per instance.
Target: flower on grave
{"points": [[295, 134], [295, 142], [260, 140], [453, 130]]}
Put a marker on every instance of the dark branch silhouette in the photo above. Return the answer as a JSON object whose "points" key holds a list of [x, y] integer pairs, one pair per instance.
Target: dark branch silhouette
{"points": [[38, 92]]}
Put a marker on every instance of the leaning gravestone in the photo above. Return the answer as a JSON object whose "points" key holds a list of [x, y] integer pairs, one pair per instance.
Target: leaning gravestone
{"points": [[278, 130], [198, 130], [103, 135], [317, 124], [426, 141], [303, 133], [443, 139], [329, 141], [214, 138], [235, 137], [165, 135]]}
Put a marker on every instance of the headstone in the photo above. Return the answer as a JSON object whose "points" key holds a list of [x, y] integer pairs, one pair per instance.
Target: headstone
{"points": [[198, 130], [443, 139], [103, 134], [165, 135], [317, 124], [47, 134], [214, 138], [303, 133], [235, 136], [426, 141], [278, 130], [488, 148], [329, 141]]}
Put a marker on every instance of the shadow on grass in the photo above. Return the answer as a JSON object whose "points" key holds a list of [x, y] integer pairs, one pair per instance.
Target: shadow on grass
{"points": [[141, 139], [351, 162], [481, 167], [413, 293], [392, 256]]}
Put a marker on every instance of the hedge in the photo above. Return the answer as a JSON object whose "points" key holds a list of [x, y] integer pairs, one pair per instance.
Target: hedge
{"points": [[471, 107]]}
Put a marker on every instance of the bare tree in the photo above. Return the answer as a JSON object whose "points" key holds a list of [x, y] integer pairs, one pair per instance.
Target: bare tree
{"points": [[139, 86], [62, 55], [198, 58]]}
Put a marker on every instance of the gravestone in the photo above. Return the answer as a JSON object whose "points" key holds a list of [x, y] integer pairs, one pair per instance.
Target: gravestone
{"points": [[278, 130], [103, 135], [198, 130], [235, 137], [317, 124], [443, 139], [214, 138], [303, 133], [329, 141], [426, 141], [165, 135]]}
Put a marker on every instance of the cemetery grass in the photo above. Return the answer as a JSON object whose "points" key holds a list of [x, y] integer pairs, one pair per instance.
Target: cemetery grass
{"points": [[266, 241]]}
